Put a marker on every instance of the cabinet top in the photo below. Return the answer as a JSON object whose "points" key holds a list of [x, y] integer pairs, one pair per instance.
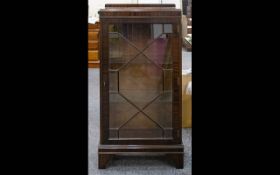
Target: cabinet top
{"points": [[143, 10], [139, 5]]}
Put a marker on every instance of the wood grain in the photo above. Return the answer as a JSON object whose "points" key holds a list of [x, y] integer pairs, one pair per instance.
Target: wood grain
{"points": [[92, 55], [93, 45], [92, 35]]}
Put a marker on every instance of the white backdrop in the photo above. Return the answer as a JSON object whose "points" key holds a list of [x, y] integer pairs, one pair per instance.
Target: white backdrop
{"points": [[95, 5]]}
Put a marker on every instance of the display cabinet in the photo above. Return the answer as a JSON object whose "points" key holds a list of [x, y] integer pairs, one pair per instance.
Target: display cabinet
{"points": [[140, 82]]}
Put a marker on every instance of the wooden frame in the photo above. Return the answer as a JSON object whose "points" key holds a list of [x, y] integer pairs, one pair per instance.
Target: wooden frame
{"points": [[131, 14]]}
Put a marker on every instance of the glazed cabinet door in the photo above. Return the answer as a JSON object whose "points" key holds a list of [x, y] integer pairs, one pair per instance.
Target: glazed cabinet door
{"points": [[142, 75]]}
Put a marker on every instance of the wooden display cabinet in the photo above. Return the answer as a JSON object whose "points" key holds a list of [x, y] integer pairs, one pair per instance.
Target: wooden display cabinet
{"points": [[140, 82]]}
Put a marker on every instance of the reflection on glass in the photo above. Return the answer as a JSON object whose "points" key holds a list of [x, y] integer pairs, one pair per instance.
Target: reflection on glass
{"points": [[140, 75]]}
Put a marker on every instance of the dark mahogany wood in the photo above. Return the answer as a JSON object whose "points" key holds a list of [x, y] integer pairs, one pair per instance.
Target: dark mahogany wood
{"points": [[140, 5], [150, 141], [177, 159], [103, 160]]}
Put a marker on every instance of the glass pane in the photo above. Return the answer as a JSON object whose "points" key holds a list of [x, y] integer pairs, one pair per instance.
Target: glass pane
{"points": [[141, 127], [117, 55], [113, 78], [140, 81], [167, 80], [159, 51], [167, 28], [160, 111], [120, 112], [138, 35]]}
